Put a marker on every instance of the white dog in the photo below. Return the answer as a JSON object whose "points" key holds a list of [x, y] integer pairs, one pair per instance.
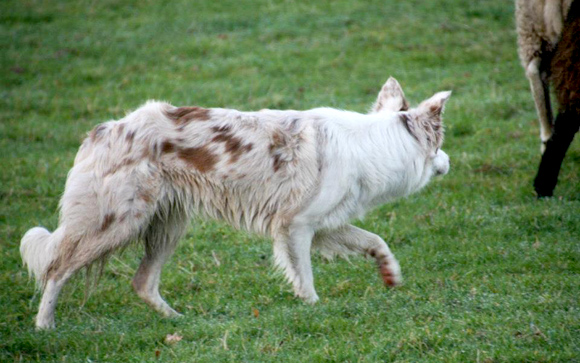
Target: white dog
{"points": [[296, 176]]}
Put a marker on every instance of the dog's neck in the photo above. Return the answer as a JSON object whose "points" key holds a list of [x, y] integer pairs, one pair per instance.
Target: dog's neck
{"points": [[391, 162], [368, 160]]}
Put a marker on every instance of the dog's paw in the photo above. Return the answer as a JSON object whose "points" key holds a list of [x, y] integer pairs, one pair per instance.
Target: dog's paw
{"points": [[171, 314], [44, 324], [391, 273], [309, 299]]}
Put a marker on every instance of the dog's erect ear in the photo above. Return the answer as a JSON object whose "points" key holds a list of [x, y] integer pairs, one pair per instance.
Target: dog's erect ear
{"points": [[424, 122], [434, 106], [391, 98]]}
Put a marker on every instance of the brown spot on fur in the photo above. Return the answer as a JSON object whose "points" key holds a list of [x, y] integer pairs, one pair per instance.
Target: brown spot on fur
{"points": [[387, 275], [277, 142], [107, 221], [130, 136], [233, 144], [222, 129], [435, 110], [277, 162], [183, 115], [149, 153], [199, 157], [389, 281], [167, 147], [145, 196], [220, 138], [406, 120], [97, 133]]}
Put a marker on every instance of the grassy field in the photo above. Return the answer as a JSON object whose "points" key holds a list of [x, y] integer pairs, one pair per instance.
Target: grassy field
{"points": [[491, 273]]}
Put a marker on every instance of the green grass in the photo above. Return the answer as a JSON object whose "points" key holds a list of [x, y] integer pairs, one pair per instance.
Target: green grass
{"points": [[491, 273]]}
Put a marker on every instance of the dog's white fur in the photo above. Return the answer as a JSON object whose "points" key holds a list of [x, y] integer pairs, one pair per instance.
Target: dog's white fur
{"points": [[296, 176]]}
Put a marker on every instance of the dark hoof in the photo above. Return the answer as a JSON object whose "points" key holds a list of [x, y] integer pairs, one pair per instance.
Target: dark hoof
{"points": [[544, 193]]}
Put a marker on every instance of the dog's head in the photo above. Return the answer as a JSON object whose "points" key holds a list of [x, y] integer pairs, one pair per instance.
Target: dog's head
{"points": [[423, 122]]}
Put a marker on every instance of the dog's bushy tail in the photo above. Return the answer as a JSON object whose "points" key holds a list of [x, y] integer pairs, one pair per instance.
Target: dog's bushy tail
{"points": [[38, 249]]}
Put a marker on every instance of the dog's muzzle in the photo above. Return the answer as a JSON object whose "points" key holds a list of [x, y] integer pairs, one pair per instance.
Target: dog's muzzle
{"points": [[441, 163]]}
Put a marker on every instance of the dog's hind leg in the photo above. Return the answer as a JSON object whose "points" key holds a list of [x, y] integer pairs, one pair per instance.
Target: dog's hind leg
{"points": [[160, 239], [292, 255], [75, 252], [350, 239], [46, 310]]}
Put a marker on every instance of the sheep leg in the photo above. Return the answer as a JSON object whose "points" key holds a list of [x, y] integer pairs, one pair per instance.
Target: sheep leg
{"points": [[567, 125], [537, 75]]}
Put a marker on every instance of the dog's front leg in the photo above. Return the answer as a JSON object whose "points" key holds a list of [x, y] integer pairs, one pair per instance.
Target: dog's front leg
{"points": [[351, 239], [292, 255]]}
